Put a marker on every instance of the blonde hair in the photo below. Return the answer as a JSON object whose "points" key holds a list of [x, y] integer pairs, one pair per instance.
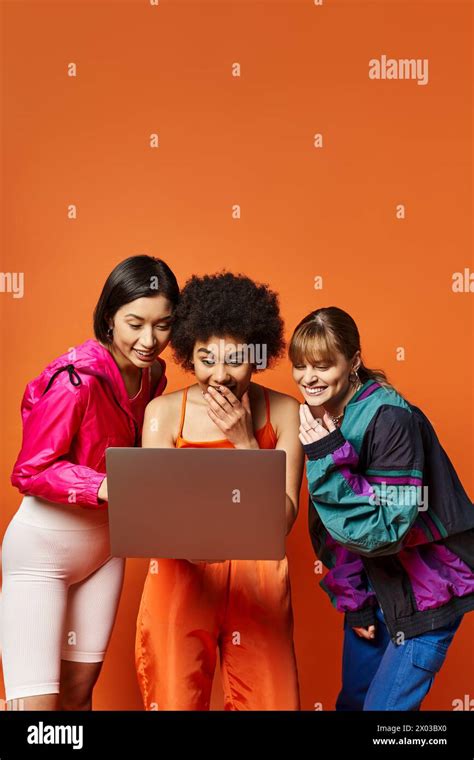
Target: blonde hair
{"points": [[323, 333]]}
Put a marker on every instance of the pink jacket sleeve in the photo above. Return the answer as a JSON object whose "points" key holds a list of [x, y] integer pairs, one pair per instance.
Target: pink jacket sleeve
{"points": [[42, 467]]}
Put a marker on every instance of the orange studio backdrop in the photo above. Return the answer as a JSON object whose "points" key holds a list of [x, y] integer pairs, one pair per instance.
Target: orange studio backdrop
{"points": [[285, 140]]}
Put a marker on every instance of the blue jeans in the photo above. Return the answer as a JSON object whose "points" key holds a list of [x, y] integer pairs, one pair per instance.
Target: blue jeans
{"points": [[380, 675]]}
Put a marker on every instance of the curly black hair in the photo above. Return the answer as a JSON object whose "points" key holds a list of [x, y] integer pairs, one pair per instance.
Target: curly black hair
{"points": [[226, 304]]}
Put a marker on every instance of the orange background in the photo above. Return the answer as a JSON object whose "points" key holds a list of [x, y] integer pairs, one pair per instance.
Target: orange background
{"points": [[305, 212]]}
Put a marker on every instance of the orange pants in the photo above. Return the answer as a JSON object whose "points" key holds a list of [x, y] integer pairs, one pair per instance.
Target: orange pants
{"points": [[243, 608]]}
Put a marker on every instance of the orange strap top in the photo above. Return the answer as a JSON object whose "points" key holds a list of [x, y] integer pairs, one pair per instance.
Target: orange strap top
{"points": [[266, 436]]}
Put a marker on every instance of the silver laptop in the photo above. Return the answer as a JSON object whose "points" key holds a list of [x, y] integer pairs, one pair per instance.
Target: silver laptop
{"points": [[197, 503]]}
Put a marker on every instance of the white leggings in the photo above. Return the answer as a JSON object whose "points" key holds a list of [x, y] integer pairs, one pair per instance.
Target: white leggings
{"points": [[61, 589]]}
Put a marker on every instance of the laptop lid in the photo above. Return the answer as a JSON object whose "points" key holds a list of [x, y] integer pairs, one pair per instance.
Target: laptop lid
{"points": [[197, 503]]}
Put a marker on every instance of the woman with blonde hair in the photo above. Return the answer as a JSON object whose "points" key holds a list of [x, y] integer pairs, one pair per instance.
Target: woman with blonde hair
{"points": [[388, 516]]}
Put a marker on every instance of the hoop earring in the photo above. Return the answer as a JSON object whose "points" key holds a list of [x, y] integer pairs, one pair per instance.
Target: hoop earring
{"points": [[355, 379]]}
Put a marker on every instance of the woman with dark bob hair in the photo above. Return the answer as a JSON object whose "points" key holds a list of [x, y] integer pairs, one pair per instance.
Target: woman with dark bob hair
{"points": [[227, 328], [61, 586]]}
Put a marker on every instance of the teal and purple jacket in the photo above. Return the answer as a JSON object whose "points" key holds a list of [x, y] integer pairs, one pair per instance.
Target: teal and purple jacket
{"points": [[390, 518]]}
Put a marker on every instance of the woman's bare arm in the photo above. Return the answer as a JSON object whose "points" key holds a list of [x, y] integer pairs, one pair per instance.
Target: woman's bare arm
{"points": [[285, 411], [159, 424]]}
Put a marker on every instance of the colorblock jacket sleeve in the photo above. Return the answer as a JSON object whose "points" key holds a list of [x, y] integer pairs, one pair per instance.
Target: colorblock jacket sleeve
{"points": [[42, 468], [346, 583], [369, 512]]}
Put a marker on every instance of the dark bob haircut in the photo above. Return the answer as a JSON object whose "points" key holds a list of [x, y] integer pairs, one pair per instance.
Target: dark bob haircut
{"points": [[135, 277], [226, 304]]}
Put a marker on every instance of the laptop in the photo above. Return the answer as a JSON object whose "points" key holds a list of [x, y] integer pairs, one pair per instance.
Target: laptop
{"points": [[207, 504]]}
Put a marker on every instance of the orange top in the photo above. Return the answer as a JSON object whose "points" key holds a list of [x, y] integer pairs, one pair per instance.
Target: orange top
{"points": [[266, 436]]}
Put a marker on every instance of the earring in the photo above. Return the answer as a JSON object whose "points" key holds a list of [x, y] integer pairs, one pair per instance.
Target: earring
{"points": [[354, 378]]}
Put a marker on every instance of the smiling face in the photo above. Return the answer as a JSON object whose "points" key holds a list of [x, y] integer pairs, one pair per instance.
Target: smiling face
{"points": [[326, 382], [141, 330], [222, 361]]}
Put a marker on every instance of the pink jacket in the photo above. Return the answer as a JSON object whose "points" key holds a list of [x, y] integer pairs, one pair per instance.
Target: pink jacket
{"points": [[71, 412]]}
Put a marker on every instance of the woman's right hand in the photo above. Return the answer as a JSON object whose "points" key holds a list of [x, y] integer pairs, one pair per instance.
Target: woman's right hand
{"points": [[102, 493], [365, 633]]}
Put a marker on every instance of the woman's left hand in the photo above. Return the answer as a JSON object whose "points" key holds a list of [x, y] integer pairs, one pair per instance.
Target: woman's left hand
{"points": [[311, 429], [232, 416]]}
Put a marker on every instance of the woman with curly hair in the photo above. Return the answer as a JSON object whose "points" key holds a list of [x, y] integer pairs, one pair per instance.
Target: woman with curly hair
{"points": [[189, 609]]}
